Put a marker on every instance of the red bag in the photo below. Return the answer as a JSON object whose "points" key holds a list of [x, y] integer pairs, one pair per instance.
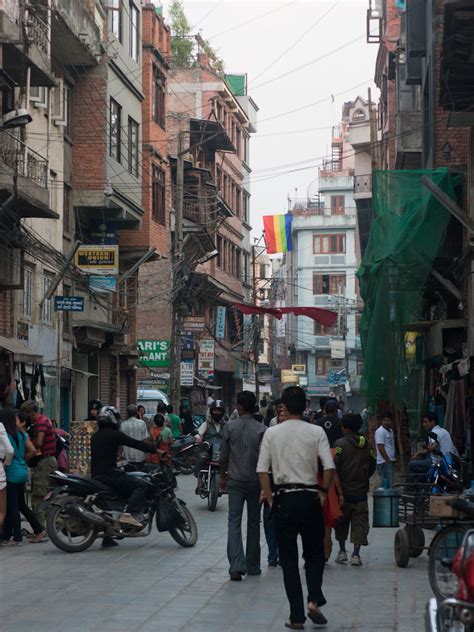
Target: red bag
{"points": [[332, 510]]}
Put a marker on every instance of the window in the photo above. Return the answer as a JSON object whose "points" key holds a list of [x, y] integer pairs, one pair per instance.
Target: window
{"points": [[158, 212], [246, 148], [159, 91], [246, 267], [219, 179], [329, 283], [39, 96], [357, 324], [238, 141], [61, 106], [133, 134], [114, 14], [329, 244], [238, 263], [246, 204], [322, 330], [337, 205], [238, 201], [134, 32], [27, 298], [219, 250], [68, 108], [115, 130], [359, 115], [262, 272], [323, 365], [47, 304], [66, 209], [360, 365]]}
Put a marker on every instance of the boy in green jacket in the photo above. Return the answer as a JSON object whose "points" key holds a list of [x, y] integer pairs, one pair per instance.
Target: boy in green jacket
{"points": [[355, 463]]}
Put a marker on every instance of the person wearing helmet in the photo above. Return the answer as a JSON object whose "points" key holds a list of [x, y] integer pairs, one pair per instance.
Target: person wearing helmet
{"points": [[104, 447], [210, 431]]}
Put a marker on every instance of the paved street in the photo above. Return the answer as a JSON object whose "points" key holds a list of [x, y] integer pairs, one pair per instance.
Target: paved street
{"points": [[154, 584]]}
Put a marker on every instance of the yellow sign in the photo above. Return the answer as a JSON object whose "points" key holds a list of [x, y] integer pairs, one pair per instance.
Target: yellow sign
{"points": [[98, 260], [299, 369], [289, 377]]}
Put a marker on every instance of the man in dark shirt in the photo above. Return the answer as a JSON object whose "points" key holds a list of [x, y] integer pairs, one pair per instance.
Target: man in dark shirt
{"points": [[104, 447], [331, 423], [241, 440]]}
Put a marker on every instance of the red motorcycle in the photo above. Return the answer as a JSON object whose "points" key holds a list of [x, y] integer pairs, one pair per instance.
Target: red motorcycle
{"points": [[456, 614]]}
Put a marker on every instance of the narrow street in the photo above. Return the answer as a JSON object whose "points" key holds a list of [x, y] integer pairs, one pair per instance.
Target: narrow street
{"points": [[154, 584]]}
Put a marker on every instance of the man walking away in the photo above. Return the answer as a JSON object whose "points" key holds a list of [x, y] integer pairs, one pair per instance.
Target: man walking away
{"points": [[331, 423], [239, 453], [385, 444], [137, 429], [44, 440], [291, 451], [355, 463], [174, 421]]}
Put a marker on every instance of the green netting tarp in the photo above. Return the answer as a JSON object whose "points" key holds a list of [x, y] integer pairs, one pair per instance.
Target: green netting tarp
{"points": [[237, 84], [408, 227]]}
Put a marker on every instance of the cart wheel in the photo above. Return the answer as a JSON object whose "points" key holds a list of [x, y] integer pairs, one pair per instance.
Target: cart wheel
{"points": [[417, 540], [402, 547]]}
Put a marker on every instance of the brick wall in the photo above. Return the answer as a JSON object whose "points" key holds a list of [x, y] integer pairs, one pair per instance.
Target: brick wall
{"points": [[90, 129]]}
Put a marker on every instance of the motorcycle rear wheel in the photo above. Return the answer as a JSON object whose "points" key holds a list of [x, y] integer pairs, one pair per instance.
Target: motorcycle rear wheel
{"points": [[61, 532], [213, 496], [187, 534], [184, 465]]}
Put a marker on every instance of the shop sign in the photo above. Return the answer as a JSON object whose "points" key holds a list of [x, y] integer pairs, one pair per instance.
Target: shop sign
{"points": [[188, 354], [220, 321], [69, 303], [187, 341], [101, 260], [337, 377], [154, 353], [287, 376], [303, 380], [103, 284], [206, 358], [104, 233], [186, 373], [299, 369], [194, 323], [338, 349]]}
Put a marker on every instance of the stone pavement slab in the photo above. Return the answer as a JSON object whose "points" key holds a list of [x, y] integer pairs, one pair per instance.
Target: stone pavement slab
{"points": [[153, 584]]}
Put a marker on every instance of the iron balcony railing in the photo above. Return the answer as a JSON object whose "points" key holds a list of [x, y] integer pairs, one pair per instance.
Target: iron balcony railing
{"points": [[363, 184], [38, 32], [23, 160]]}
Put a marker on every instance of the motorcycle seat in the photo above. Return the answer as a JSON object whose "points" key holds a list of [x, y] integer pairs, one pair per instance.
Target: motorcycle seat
{"points": [[101, 487]]}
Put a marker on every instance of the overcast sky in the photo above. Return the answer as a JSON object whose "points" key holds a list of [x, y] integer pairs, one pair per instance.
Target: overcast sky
{"points": [[269, 41]]}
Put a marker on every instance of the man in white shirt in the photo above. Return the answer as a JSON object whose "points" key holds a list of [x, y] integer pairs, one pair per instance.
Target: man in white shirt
{"points": [[438, 440], [291, 451], [385, 445], [137, 429]]}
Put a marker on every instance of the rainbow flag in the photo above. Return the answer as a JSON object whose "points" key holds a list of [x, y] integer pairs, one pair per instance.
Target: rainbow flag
{"points": [[277, 229]]}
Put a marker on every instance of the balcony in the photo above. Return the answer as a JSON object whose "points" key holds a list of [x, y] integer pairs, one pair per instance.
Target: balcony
{"points": [[75, 35], [363, 186], [31, 169], [408, 144]]}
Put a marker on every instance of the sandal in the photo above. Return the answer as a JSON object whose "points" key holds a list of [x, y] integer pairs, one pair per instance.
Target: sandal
{"points": [[317, 617], [294, 626]]}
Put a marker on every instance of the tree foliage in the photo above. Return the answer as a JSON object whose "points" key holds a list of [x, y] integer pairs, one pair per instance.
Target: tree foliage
{"points": [[181, 42]]}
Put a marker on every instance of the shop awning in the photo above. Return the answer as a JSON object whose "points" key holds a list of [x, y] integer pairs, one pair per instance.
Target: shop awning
{"points": [[21, 353]]}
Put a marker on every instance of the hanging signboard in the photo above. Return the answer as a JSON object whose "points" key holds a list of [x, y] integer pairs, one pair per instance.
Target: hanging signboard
{"points": [[186, 373], [103, 284], [154, 353], [338, 349], [206, 358], [337, 377], [194, 323], [100, 260], [288, 376], [220, 321], [69, 303], [299, 369]]}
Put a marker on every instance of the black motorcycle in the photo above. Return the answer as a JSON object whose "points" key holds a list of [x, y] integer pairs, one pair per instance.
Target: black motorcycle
{"points": [[208, 485], [183, 454], [81, 509]]}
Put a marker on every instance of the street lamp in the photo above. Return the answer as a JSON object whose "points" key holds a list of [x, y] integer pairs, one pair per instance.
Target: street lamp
{"points": [[16, 118]]}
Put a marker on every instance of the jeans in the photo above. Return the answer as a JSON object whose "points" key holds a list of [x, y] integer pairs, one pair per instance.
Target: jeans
{"points": [[16, 505], [270, 533], [386, 471], [40, 485], [300, 513], [126, 486], [239, 493]]}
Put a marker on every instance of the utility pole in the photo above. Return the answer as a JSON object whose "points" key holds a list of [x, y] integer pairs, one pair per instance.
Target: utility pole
{"points": [[255, 327], [177, 258]]}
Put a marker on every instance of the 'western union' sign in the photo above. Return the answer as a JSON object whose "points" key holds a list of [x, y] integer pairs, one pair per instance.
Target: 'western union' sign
{"points": [[98, 259]]}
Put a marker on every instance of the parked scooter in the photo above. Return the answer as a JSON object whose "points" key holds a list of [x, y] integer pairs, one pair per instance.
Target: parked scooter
{"points": [[445, 475], [456, 614]]}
